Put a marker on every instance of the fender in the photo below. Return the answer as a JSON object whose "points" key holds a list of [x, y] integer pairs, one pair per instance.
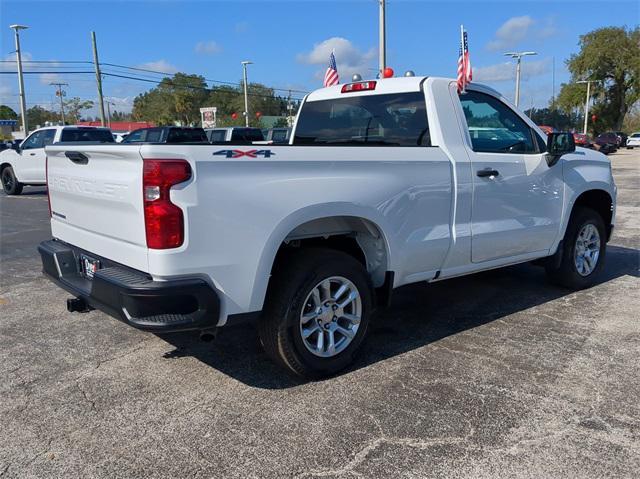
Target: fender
{"points": [[304, 215], [585, 170]]}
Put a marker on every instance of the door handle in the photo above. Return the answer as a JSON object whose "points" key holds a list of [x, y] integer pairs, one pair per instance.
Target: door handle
{"points": [[77, 157], [487, 172], [32, 154]]}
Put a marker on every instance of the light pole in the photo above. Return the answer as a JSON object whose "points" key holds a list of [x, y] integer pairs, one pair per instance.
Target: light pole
{"points": [[518, 56], [382, 39], [60, 93], [246, 94], [23, 103], [109, 103], [586, 103]]}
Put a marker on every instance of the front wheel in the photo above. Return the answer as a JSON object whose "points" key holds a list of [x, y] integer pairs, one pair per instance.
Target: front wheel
{"points": [[10, 183], [317, 312], [584, 248]]}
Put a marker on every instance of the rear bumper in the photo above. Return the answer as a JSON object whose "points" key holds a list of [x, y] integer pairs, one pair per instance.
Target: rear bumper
{"points": [[132, 296]]}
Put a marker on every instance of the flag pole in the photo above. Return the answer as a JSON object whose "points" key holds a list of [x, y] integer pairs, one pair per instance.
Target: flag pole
{"points": [[464, 83]]}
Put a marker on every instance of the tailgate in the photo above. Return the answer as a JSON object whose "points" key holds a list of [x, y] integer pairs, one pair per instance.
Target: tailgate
{"points": [[96, 200]]}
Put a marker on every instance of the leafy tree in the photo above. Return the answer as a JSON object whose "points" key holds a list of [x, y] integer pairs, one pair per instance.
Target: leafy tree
{"points": [[611, 57], [73, 108], [7, 113], [554, 117], [39, 116], [281, 123]]}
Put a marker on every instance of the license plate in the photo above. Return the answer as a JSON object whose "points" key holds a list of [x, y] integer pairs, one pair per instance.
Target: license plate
{"points": [[89, 266]]}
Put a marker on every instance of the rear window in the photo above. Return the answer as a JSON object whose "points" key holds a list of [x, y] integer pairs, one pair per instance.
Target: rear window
{"points": [[153, 136], [87, 134], [186, 135], [398, 119]]}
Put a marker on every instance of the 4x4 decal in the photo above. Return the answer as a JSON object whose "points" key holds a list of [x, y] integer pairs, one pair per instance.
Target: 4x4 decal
{"points": [[241, 153]]}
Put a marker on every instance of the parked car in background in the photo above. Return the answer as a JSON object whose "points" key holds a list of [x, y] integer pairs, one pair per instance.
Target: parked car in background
{"points": [[581, 139], [633, 140], [167, 134], [607, 142], [24, 164], [278, 135], [622, 138], [234, 134]]}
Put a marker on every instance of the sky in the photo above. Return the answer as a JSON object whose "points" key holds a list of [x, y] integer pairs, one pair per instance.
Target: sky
{"points": [[290, 41]]}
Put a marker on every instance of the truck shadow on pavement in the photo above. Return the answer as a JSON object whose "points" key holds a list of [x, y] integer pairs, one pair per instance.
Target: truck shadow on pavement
{"points": [[420, 314]]}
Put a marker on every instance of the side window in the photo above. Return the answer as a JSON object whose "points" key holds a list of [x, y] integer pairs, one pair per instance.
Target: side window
{"points": [[153, 136], [48, 136], [134, 137], [494, 127], [218, 135], [34, 141]]}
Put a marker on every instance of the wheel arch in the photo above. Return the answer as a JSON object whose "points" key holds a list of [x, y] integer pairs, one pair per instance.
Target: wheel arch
{"points": [[600, 201], [350, 228]]}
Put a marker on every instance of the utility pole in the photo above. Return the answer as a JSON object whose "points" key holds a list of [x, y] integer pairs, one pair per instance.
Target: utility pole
{"points": [[23, 102], [586, 104], [246, 94], [60, 93], [109, 112], [98, 77], [383, 39], [518, 56], [553, 84]]}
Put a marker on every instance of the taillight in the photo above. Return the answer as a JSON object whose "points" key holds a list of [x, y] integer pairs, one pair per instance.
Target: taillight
{"points": [[361, 86], [46, 181], [163, 221]]}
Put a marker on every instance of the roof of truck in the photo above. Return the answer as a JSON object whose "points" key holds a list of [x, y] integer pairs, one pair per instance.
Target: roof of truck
{"points": [[385, 85]]}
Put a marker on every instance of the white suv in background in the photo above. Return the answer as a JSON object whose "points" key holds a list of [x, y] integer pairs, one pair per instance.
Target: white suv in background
{"points": [[25, 165], [633, 140]]}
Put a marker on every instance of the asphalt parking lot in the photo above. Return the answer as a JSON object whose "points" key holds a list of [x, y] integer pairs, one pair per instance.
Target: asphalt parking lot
{"points": [[495, 375]]}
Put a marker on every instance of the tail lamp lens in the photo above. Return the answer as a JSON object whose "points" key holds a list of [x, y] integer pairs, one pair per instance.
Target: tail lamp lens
{"points": [[163, 221]]}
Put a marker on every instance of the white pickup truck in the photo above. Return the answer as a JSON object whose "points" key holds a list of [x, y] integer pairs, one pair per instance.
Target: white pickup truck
{"points": [[384, 183], [26, 165]]}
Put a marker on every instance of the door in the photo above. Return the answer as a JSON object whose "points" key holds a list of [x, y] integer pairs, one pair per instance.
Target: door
{"points": [[33, 157], [517, 197]]}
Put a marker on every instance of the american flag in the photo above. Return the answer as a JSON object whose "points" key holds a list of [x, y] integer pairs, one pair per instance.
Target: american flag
{"points": [[331, 75], [465, 74]]}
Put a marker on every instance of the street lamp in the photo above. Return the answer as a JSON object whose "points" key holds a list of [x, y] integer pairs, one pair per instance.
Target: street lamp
{"points": [[23, 103], [586, 103], [246, 95], [518, 56]]}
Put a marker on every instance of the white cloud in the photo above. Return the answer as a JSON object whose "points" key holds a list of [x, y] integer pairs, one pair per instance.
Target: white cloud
{"points": [[516, 30], [121, 104], [208, 48], [511, 33], [507, 71], [160, 66], [349, 58]]}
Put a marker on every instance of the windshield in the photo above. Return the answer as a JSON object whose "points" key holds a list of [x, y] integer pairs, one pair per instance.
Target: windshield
{"points": [[398, 119]]}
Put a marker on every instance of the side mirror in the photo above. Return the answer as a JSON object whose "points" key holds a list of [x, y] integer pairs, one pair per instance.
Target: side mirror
{"points": [[559, 144], [16, 147]]}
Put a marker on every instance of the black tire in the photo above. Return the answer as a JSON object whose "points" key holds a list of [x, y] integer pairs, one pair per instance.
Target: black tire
{"points": [[279, 328], [10, 183], [566, 274]]}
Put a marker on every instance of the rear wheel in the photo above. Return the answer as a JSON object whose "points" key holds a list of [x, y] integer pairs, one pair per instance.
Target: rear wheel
{"points": [[317, 312], [10, 183], [583, 254]]}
